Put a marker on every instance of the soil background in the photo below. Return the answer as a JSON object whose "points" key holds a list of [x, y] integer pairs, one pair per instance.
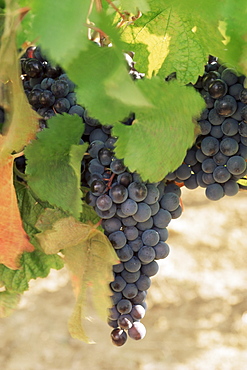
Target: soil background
{"points": [[197, 305]]}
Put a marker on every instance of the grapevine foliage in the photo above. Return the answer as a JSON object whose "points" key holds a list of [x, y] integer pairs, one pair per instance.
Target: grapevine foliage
{"points": [[90, 41]]}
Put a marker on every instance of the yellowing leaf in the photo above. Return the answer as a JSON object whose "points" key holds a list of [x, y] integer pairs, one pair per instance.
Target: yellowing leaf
{"points": [[20, 127], [13, 239], [157, 46], [89, 256], [22, 121], [65, 232]]}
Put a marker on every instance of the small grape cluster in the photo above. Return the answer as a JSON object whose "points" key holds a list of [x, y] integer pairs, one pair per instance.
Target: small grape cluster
{"points": [[48, 88], [135, 216], [218, 158]]}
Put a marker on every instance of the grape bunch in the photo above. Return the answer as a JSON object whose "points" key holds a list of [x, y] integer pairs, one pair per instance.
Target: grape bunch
{"points": [[48, 89], [218, 158], [135, 216]]}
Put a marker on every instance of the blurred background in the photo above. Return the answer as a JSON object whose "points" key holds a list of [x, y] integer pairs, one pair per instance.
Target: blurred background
{"points": [[197, 305]]}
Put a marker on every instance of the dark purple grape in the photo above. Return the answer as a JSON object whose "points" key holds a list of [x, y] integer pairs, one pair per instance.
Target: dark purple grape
{"points": [[46, 98], [118, 337], [209, 78], [98, 187], [33, 68], [226, 106], [60, 88], [217, 89], [61, 105]]}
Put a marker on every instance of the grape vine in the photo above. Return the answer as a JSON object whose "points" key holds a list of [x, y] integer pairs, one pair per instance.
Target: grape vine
{"points": [[99, 133]]}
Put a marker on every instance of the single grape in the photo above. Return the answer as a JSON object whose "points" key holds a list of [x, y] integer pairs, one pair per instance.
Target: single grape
{"points": [[217, 89], [104, 202], [221, 174], [150, 237], [118, 193], [229, 146], [118, 239], [111, 225], [229, 127], [214, 192], [60, 88], [208, 165], [231, 188], [169, 201], [118, 268], [130, 291], [131, 232], [162, 250], [125, 321], [137, 331], [143, 283], [143, 212], [105, 156], [76, 109], [98, 187], [236, 165], [117, 166], [162, 218], [129, 207], [125, 253], [137, 191], [118, 337], [152, 194], [133, 264], [61, 105], [124, 306], [150, 269], [146, 254], [229, 75], [124, 179], [210, 146], [226, 106]]}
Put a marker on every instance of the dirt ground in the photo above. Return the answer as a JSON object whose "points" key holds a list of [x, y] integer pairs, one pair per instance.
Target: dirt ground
{"points": [[197, 305]]}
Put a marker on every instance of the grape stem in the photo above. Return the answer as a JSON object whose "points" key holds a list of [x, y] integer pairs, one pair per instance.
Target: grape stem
{"points": [[110, 181]]}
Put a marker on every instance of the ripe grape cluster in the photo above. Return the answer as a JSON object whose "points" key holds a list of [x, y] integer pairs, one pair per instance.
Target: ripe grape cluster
{"points": [[135, 216], [218, 158], [48, 88]]}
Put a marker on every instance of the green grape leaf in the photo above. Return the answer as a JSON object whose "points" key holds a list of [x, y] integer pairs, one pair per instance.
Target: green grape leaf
{"points": [[161, 134], [33, 265], [54, 163], [105, 84], [89, 256], [176, 37], [8, 303], [30, 208], [234, 15], [59, 27]]}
